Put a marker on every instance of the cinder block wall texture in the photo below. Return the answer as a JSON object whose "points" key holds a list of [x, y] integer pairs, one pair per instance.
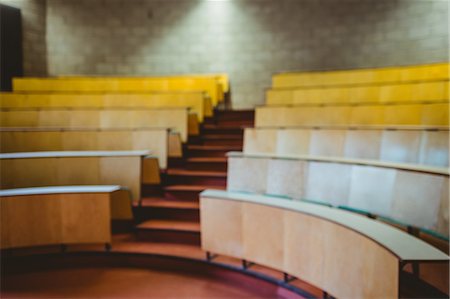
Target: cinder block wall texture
{"points": [[248, 39], [34, 37]]}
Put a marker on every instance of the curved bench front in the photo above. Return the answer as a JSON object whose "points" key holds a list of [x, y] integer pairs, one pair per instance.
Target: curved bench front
{"points": [[37, 169], [61, 215], [346, 255], [426, 115], [196, 101], [414, 195], [157, 141], [418, 146]]}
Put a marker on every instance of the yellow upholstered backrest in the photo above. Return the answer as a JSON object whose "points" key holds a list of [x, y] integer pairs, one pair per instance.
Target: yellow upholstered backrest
{"points": [[428, 72]]}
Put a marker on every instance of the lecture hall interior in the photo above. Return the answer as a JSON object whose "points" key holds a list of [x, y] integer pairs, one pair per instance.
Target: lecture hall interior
{"points": [[226, 149]]}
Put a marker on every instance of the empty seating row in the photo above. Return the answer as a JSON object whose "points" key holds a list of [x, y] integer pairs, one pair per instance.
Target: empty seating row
{"points": [[60, 215], [210, 85], [435, 91], [427, 72], [414, 196], [221, 79], [125, 168], [418, 146], [344, 254], [386, 115], [177, 119], [158, 141], [196, 101]]}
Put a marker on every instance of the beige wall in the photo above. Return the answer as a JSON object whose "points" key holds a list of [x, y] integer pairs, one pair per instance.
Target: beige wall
{"points": [[34, 27]]}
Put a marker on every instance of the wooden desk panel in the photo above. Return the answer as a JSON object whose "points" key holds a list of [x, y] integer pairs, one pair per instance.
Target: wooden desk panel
{"points": [[329, 248], [57, 218]]}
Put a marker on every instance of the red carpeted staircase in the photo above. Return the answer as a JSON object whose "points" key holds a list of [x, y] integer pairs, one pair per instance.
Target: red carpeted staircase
{"points": [[171, 214]]}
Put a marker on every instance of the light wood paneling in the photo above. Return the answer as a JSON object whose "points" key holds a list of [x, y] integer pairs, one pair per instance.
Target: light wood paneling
{"points": [[434, 148], [372, 189], [374, 269], [221, 226], [328, 182], [363, 144], [51, 219], [263, 225], [412, 196], [196, 101], [387, 115], [399, 145], [417, 198], [154, 140], [75, 222], [238, 175], [285, 177], [290, 142], [304, 247], [311, 242], [171, 118], [260, 141], [327, 143], [56, 171]]}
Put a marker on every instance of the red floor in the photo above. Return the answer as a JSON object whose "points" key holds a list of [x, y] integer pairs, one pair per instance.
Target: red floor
{"points": [[154, 278]]}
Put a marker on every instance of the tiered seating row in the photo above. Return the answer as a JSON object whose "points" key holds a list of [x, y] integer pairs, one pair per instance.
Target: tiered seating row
{"points": [[122, 85], [175, 119], [414, 196], [427, 115], [61, 215], [155, 141], [429, 72], [371, 94], [196, 101], [314, 243], [425, 147], [125, 168]]}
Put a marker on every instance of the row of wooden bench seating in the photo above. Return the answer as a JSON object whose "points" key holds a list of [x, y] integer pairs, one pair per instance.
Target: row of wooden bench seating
{"points": [[402, 145], [177, 119], [61, 215], [408, 93], [311, 242], [382, 75], [211, 84], [197, 102], [129, 169], [416, 196], [162, 143], [436, 114]]}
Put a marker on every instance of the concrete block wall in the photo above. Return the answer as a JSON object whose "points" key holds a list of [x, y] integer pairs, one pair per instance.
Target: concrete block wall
{"points": [[34, 37], [248, 39]]}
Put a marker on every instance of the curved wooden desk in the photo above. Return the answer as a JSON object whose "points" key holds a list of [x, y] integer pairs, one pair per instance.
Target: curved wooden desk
{"points": [[407, 93], [435, 114], [411, 194], [196, 101], [176, 119], [346, 255], [160, 142], [61, 215], [210, 86], [36, 169], [418, 146], [382, 75]]}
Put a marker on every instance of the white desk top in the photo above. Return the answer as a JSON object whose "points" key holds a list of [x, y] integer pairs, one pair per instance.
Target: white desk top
{"points": [[404, 246], [60, 154], [377, 163], [60, 189]]}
